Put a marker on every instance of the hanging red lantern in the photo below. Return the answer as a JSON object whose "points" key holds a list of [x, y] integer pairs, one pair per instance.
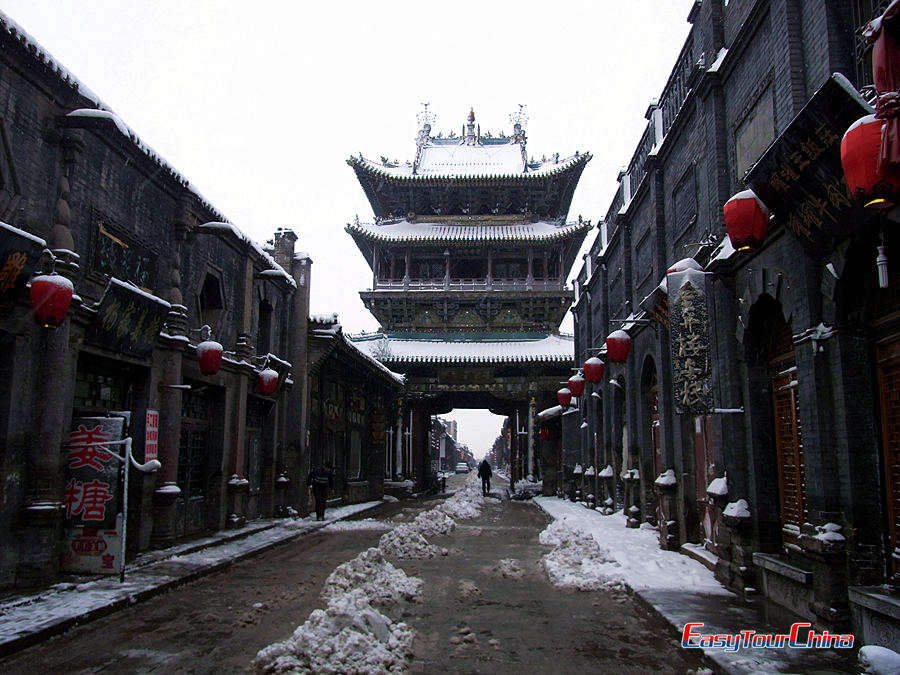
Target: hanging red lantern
{"points": [[209, 357], [267, 381], [50, 295], [746, 220], [564, 396], [576, 384], [618, 344], [593, 370], [871, 186], [544, 434]]}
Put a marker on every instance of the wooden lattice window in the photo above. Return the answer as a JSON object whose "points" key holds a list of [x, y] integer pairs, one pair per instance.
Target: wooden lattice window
{"points": [[193, 456], [889, 390], [789, 448]]}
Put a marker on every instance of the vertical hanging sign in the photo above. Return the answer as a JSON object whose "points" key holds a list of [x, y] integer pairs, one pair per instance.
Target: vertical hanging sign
{"points": [[151, 436], [91, 529], [689, 341]]}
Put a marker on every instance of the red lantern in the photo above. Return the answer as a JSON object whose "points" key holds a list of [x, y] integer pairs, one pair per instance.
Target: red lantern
{"points": [[544, 434], [746, 219], [267, 381], [51, 295], [618, 344], [860, 149], [576, 384], [209, 356], [593, 370], [564, 396]]}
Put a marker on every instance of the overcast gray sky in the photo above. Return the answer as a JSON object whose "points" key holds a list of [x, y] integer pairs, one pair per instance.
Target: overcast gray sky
{"points": [[260, 103]]}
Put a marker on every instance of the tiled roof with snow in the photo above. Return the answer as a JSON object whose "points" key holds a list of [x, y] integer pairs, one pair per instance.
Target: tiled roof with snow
{"points": [[466, 161], [391, 349], [471, 160], [334, 331], [405, 231]]}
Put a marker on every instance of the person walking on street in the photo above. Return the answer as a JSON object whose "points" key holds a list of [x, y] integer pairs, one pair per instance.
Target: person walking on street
{"points": [[321, 480], [485, 473]]}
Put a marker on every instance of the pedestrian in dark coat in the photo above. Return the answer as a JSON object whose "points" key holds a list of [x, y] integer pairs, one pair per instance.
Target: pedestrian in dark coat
{"points": [[485, 473], [321, 480]]}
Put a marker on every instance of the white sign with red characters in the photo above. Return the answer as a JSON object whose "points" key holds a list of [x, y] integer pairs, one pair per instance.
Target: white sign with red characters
{"points": [[151, 436], [92, 524]]}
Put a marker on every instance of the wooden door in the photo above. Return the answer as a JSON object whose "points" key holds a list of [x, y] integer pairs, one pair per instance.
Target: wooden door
{"points": [[789, 449], [888, 356]]}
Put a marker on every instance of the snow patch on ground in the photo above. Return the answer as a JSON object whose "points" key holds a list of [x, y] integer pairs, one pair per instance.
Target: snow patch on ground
{"points": [[352, 525], [576, 560], [509, 568], [596, 550]]}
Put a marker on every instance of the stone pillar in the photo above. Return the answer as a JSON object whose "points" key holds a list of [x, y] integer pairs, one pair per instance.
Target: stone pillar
{"points": [[632, 481], [238, 485], [41, 517], [666, 495], [529, 279], [407, 265], [296, 455], [170, 386], [420, 445]]}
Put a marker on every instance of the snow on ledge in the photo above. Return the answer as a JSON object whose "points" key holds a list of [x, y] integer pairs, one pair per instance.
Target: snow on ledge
{"points": [[718, 487], [738, 509]]}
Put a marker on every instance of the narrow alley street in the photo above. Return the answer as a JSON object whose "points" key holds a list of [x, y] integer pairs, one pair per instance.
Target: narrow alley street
{"points": [[486, 606]]}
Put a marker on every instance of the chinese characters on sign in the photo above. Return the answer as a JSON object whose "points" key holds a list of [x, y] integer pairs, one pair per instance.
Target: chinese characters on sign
{"points": [[115, 257], [90, 497], [688, 328], [19, 253], [800, 177], [151, 436], [128, 320]]}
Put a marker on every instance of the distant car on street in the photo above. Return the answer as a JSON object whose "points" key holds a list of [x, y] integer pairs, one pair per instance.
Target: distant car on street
{"points": [[462, 467]]}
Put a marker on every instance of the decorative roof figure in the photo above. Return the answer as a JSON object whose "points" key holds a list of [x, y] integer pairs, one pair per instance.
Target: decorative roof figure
{"points": [[471, 138]]}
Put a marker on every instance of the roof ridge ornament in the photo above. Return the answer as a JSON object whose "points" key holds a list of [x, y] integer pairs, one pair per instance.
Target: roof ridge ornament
{"points": [[520, 121], [471, 137], [425, 118]]}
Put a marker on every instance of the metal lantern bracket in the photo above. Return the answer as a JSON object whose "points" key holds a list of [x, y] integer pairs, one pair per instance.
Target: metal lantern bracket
{"points": [[638, 322]]}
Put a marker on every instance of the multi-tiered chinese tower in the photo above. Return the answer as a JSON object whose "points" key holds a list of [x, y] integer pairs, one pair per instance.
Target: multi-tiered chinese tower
{"points": [[470, 251]]}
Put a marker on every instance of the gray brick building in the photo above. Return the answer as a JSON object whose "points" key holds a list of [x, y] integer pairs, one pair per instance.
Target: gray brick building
{"points": [[156, 271], [754, 421]]}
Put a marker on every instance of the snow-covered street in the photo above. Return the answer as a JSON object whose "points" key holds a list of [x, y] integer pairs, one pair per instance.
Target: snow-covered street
{"points": [[461, 584]]}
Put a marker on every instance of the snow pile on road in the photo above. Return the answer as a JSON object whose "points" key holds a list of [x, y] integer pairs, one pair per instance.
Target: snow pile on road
{"points": [[434, 522], [405, 541], [348, 636], [383, 584], [466, 503]]}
